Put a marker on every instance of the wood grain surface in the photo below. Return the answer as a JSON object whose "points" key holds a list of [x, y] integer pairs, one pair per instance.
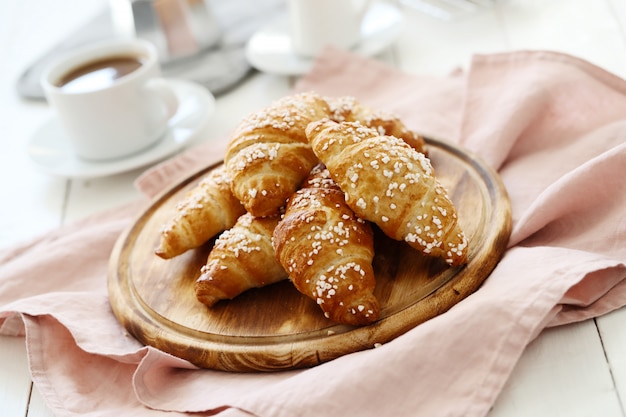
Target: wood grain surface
{"points": [[275, 327]]}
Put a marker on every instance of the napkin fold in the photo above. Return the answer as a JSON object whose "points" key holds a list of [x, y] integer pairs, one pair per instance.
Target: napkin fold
{"points": [[551, 124]]}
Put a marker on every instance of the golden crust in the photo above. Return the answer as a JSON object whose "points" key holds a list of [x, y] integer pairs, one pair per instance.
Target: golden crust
{"points": [[389, 183], [242, 258], [208, 209], [328, 251], [349, 109], [374, 169], [269, 155]]}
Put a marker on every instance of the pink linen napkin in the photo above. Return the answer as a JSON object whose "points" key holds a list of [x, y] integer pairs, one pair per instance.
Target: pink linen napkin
{"points": [[552, 125]]}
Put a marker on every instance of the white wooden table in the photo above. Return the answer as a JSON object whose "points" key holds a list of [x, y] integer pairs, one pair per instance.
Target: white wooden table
{"points": [[574, 370]]}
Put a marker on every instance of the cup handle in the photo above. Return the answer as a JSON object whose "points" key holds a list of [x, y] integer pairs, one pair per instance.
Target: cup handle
{"points": [[162, 89]]}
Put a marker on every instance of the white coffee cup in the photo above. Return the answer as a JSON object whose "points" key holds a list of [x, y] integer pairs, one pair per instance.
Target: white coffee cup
{"points": [[315, 24], [117, 110]]}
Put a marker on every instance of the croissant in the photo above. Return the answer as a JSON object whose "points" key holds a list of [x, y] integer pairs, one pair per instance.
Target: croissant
{"points": [[328, 251], [349, 109], [389, 183], [269, 156], [206, 210], [242, 258]]}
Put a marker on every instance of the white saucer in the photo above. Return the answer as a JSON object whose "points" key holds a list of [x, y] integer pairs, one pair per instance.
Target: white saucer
{"points": [[269, 50], [51, 152]]}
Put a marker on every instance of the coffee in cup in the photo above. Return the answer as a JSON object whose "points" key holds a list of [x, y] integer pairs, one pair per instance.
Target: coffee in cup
{"points": [[98, 74], [110, 99]]}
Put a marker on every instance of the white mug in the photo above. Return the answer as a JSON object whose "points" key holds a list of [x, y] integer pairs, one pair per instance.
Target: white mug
{"points": [[314, 24], [110, 99]]}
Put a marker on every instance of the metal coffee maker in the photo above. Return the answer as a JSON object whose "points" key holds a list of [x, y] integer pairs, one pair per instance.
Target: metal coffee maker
{"points": [[179, 29]]}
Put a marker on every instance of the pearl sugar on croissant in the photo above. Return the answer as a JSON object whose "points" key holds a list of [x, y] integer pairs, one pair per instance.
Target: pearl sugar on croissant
{"points": [[375, 170]]}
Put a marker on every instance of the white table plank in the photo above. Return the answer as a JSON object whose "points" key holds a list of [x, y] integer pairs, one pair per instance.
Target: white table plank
{"points": [[585, 28], [15, 384], [432, 46], [36, 199], [90, 196], [613, 334], [561, 373], [37, 407], [618, 10], [33, 196]]}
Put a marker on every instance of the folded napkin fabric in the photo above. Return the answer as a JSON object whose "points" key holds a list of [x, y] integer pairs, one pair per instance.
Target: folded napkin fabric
{"points": [[551, 124]]}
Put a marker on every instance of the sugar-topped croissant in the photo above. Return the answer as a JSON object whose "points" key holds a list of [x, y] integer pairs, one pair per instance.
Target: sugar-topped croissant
{"points": [[389, 183], [349, 109], [206, 210], [328, 251], [269, 156], [242, 258]]}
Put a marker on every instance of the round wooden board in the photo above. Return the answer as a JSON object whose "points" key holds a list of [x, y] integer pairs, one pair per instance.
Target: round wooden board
{"points": [[277, 328]]}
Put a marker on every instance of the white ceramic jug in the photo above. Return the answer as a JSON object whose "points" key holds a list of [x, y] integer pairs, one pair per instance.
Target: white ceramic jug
{"points": [[315, 24]]}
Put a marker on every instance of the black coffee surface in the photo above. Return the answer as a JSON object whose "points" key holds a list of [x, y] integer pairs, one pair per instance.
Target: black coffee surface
{"points": [[98, 74]]}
